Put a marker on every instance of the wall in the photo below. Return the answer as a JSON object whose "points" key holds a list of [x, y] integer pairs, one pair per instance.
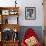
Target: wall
{"points": [[27, 3], [39, 13]]}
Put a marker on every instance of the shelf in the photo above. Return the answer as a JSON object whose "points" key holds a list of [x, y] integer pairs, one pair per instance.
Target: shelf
{"points": [[9, 19], [5, 12], [7, 16], [9, 10], [10, 26], [11, 41], [17, 14]]}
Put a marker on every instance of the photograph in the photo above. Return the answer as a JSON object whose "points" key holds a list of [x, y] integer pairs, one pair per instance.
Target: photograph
{"points": [[30, 13]]}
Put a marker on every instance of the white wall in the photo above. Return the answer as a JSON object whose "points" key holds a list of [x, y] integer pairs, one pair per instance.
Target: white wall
{"points": [[27, 3]]}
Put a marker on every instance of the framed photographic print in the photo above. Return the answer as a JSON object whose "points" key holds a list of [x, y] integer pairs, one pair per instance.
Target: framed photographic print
{"points": [[30, 13], [5, 12]]}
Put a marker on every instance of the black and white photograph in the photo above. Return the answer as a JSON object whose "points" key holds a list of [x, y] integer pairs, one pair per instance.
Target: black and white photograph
{"points": [[30, 13]]}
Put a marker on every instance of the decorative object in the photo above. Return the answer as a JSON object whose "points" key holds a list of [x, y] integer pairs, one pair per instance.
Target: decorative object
{"points": [[7, 34], [15, 37], [15, 3], [30, 13], [13, 12], [6, 21], [5, 12]]}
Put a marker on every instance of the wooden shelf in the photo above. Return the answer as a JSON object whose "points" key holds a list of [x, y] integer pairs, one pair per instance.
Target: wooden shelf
{"points": [[11, 26], [9, 43], [4, 13], [9, 8]]}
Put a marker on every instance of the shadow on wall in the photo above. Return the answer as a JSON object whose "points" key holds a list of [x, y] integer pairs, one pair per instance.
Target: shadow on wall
{"points": [[37, 29]]}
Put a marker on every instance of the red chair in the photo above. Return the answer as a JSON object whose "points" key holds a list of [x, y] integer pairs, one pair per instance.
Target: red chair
{"points": [[29, 33]]}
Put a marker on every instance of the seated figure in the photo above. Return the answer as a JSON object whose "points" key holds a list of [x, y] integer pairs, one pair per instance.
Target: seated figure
{"points": [[30, 38]]}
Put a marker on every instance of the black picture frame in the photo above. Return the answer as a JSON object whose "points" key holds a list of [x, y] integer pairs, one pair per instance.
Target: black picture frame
{"points": [[30, 13]]}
